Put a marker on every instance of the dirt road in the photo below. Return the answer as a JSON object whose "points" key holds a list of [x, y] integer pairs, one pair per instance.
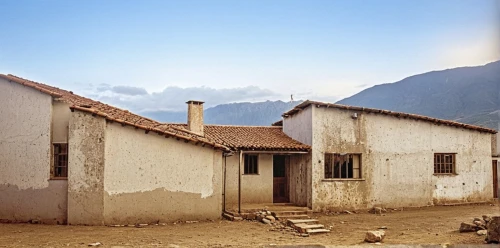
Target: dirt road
{"points": [[430, 225]]}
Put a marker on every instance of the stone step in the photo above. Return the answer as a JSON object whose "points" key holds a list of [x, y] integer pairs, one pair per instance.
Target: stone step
{"points": [[303, 228], [312, 231], [286, 217], [300, 221], [228, 216], [290, 212]]}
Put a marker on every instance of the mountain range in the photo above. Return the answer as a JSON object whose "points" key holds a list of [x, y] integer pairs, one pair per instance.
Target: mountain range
{"points": [[467, 94], [243, 113]]}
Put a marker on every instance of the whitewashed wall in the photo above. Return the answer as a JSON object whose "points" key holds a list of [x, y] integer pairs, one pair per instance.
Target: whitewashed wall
{"points": [[300, 127], [26, 191], [254, 188], [149, 177]]}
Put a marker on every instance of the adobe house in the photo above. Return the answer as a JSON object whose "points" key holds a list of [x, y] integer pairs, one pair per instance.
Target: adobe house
{"points": [[69, 159], [363, 157]]}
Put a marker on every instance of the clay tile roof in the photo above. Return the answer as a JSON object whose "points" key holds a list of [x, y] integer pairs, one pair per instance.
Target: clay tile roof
{"points": [[251, 137], [308, 103], [111, 113]]}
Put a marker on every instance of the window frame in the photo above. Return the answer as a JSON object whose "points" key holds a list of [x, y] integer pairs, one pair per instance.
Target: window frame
{"points": [[251, 169], [329, 159], [55, 159], [442, 165]]}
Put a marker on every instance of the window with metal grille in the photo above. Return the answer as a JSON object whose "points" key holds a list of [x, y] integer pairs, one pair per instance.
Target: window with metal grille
{"points": [[61, 160], [444, 163], [340, 166], [251, 164]]}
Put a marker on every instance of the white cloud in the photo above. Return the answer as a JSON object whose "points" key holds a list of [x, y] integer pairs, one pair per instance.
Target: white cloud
{"points": [[173, 98]]}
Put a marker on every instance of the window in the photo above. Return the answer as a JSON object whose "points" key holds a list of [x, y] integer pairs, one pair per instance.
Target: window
{"points": [[251, 164], [340, 166], [444, 163], [61, 160]]}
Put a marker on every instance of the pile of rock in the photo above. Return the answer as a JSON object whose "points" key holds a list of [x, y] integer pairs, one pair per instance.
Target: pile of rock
{"points": [[265, 216], [489, 226], [478, 225]]}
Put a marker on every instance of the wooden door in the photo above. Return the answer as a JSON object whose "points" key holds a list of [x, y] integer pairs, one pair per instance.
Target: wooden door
{"points": [[280, 182], [495, 179]]}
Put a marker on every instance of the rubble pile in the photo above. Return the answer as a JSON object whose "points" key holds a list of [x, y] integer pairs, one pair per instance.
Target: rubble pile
{"points": [[477, 224], [489, 226]]}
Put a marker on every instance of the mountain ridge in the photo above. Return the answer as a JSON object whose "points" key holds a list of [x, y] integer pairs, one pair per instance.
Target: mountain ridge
{"points": [[469, 94]]}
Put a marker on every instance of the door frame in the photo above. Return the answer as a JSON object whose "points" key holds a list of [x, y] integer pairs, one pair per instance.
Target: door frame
{"points": [[281, 180], [495, 178]]}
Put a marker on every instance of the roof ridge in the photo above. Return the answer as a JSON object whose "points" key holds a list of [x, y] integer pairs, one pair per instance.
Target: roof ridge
{"points": [[307, 103], [222, 125]]}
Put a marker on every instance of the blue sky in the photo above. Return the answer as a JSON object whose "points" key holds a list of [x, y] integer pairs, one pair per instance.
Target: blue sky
{"points": [[148, 55]]}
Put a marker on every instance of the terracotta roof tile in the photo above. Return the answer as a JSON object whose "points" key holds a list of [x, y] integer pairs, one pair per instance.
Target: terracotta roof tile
{"points": [[307, 103], [112, 113], [251, 137]]}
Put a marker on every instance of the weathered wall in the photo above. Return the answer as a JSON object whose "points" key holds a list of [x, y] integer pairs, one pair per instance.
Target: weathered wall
{"points": [[86, 169], [26, 191], [60, 122], [300, 127], [254, 188], [150, 178], [495, 145], [397, 154], [297, 179]]}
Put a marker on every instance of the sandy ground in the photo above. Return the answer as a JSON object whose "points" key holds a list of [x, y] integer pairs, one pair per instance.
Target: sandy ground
{"points": [[430, 225]]}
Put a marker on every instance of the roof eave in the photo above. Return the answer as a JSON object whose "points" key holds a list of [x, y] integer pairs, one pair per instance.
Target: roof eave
{"points": [[96, 112]]}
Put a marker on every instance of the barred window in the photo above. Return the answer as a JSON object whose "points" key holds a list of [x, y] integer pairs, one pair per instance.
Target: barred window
{"points": [[339, 166], [444, 163], [61, 160]]}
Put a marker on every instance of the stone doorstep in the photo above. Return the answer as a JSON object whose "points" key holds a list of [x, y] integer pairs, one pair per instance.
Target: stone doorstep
{"points": [[305, 221], [285, 217], [290, 212], [303, 228], [311, 231]]}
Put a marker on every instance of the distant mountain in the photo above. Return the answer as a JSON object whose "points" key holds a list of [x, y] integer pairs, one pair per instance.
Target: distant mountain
{"points": [[466, 94], [244, 113]]}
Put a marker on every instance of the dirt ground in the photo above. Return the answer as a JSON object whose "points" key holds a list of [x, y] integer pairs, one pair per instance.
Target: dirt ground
{"points": [[429, 225]]}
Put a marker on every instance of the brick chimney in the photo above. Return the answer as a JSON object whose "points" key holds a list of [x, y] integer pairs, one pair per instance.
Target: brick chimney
{"points": [[195, 116]]}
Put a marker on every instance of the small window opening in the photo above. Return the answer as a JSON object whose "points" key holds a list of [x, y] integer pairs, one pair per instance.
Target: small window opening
{"points": [[251, 164], [61, 160], [444, 163], [340, 166]]}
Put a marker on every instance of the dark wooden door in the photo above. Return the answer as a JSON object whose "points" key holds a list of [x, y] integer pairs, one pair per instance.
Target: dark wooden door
{"points": [[280, 182], [495, 179]]}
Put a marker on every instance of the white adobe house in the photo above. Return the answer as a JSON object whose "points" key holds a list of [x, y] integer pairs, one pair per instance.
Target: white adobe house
{"points": [[363, 157], [69, 159]]}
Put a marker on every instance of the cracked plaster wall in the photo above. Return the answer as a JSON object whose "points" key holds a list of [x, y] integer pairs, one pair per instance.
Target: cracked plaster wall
{"points": [[150, 178], [26, 191]]}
